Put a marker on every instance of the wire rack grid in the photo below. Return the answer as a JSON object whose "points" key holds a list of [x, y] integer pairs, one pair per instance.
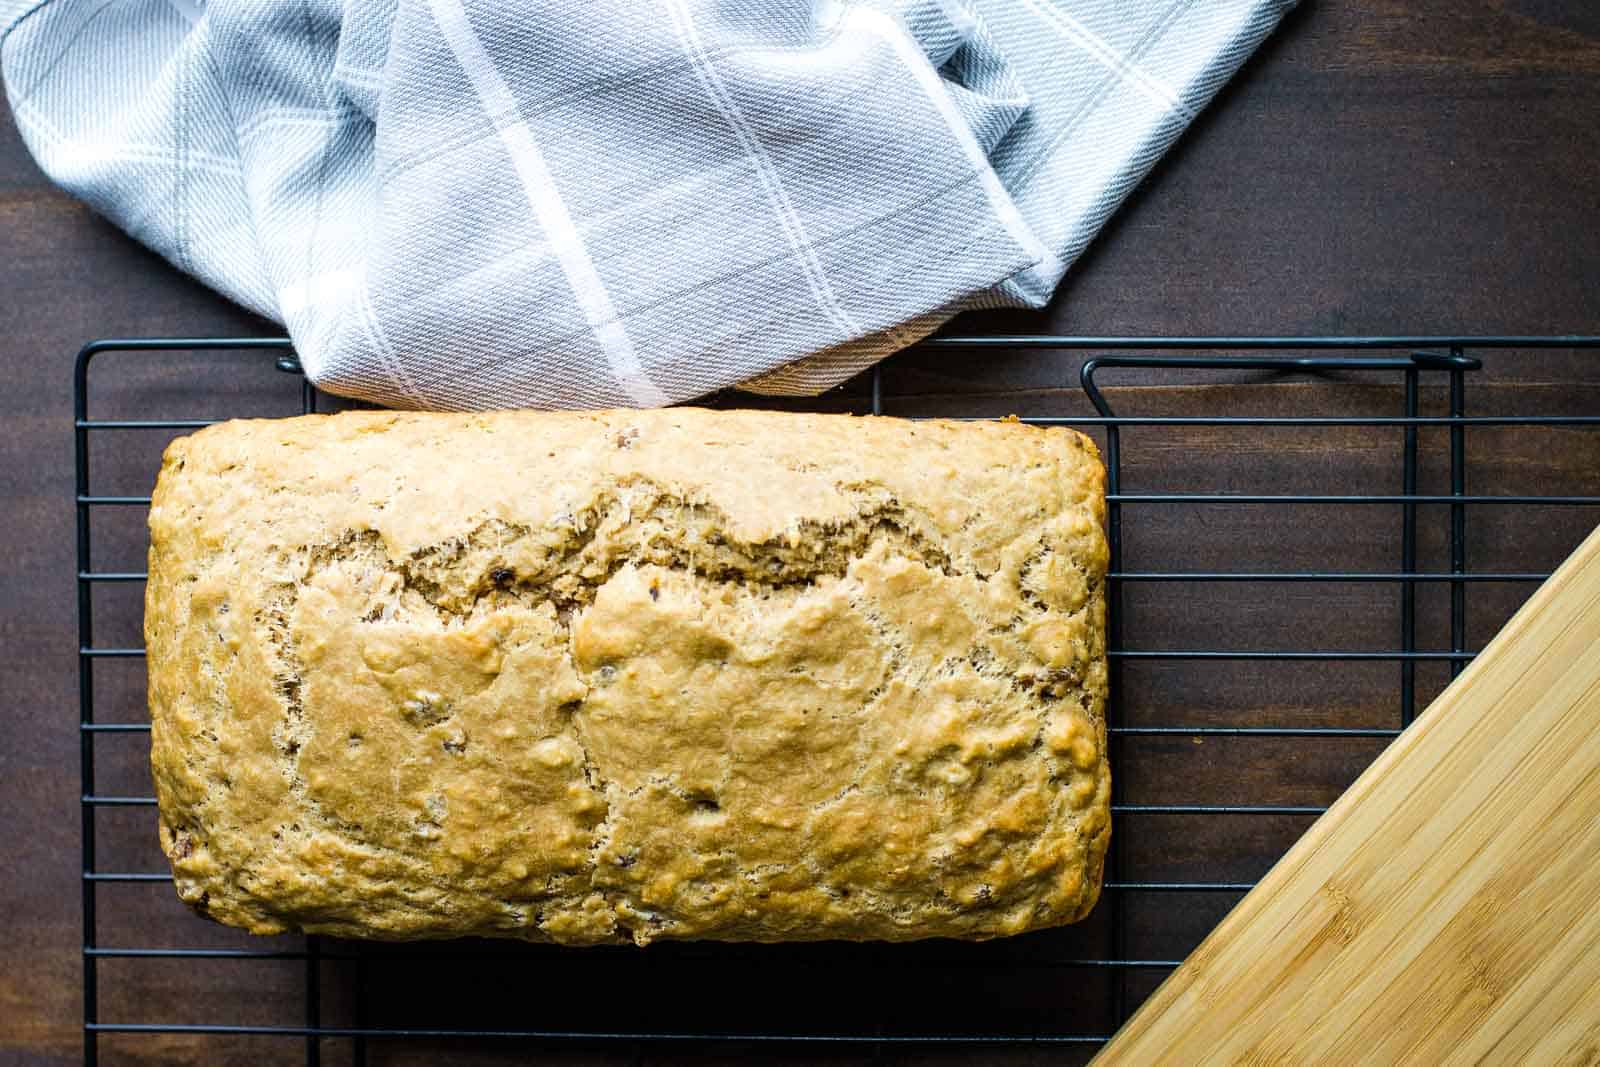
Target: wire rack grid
{"points": [[1416, 360]]}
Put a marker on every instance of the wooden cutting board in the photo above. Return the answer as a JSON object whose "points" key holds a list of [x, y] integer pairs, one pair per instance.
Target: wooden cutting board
{"points": [[1447, 908]]}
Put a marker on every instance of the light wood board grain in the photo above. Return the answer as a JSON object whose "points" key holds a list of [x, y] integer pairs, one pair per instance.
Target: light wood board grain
{"points": [[1447, 908]]}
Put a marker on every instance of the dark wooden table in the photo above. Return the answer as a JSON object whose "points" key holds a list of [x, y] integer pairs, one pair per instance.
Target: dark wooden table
{"points": [[1386, 166]]}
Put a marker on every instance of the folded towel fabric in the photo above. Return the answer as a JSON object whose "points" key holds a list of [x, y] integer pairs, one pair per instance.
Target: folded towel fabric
{"points": [[583, 203]]}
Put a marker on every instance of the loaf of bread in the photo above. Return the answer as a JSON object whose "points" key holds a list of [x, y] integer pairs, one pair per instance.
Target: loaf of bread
{"points": [[630, 675]]}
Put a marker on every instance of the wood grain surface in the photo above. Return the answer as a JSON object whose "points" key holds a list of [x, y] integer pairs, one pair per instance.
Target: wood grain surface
{"points": [[1379, 166], [1447, 908]]}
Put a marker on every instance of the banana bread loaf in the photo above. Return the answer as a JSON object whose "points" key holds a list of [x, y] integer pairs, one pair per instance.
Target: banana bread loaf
{"points": [[630, 675]]}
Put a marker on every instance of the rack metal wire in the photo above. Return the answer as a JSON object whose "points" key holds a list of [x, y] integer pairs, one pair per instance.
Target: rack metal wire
{"points": [[1416, 359]]}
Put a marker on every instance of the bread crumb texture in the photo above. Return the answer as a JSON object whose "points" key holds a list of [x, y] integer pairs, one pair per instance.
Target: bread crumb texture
{"points": [[626, 676]]}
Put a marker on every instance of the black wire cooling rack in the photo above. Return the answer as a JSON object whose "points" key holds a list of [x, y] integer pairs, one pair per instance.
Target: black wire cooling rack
{"points": [[1106, 980]]}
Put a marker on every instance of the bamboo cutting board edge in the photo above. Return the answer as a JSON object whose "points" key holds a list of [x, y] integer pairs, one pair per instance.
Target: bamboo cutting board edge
{"points": [[1458, 938]]}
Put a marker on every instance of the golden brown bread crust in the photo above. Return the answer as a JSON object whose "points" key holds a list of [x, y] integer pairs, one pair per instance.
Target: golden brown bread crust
{"points": [[593, 677]]}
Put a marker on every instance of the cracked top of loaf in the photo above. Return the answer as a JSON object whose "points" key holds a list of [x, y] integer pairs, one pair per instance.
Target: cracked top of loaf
{"points": [[630, 675]]}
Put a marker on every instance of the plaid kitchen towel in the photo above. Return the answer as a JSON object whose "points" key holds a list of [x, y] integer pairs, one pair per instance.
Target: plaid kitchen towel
{"points": [[581, 203]]}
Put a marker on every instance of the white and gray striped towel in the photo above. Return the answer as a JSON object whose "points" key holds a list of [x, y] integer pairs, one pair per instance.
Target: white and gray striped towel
{"points": [[563, 203]]}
